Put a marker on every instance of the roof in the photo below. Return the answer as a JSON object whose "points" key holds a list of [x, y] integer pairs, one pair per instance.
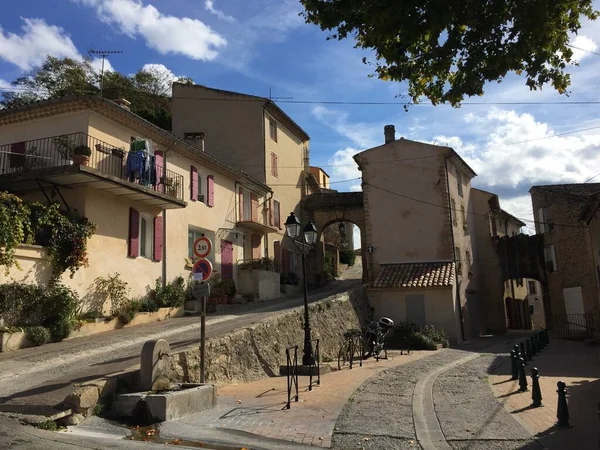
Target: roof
{"points": [[267, 103], [108, 108], [321, 169], [415, 275], [511, 217], [580, 190]]}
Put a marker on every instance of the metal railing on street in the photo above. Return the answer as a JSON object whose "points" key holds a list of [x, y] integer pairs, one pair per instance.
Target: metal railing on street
{"points": [[315, 367], [291, 354]]}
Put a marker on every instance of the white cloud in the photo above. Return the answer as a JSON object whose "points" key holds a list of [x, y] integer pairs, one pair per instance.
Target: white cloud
{"points": [[5, 84], [37, 41], [584, 45], [209, 5], [164, 75], [361, 134], [343, 167], [97, 65], [164, 33]]}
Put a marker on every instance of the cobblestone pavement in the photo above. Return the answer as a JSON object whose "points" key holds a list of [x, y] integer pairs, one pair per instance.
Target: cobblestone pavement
{"points": [[258, 407], [575, 363]]}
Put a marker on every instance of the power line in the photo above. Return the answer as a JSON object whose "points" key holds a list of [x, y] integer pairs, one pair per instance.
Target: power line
{"points": [[583, 49]]}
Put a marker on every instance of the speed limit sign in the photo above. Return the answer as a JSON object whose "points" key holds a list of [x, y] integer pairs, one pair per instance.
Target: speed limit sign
{"points": [[202, 247]]}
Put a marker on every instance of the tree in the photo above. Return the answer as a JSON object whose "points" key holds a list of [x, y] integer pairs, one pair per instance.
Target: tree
{"points": [[448, 49]]}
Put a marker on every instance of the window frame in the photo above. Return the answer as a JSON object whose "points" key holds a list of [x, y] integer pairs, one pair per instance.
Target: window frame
{"points": [[459, 183], [273, 129], [146, 251], [550, 256], [463, 212], [529, 284], [274, 165], [453, 212]]}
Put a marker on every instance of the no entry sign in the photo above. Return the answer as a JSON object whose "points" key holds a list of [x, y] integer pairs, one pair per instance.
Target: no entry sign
{"points": [[202, 247], [203, 267]]}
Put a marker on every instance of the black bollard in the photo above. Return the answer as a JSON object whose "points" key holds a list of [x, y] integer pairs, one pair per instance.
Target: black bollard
{"points": [[528, 349], [543, 338], [522, 353], [538, 344], [522, 376], [514, 365], [536, 392], [562, 410], [534, 349], [516, 349], [546, 336]]}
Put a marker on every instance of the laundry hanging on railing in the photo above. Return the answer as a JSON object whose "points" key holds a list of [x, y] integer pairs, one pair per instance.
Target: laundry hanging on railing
{"points": [[140, 163]]}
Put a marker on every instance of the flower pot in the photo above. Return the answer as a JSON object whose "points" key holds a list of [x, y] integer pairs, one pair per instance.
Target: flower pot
{"points": [[230, 299], [81, 159]]}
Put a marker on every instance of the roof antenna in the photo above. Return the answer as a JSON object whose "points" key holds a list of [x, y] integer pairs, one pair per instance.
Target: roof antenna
{"points": [[278, 98], [104, 54]]}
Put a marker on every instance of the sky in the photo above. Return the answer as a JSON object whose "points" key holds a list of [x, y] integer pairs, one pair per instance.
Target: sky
{"points": [[263, 47]]}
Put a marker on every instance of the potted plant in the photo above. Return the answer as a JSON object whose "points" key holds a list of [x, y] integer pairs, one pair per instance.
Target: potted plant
{"points": [[81, 155], [290, 283], [64, 145], [229, 289], [217, 291]]}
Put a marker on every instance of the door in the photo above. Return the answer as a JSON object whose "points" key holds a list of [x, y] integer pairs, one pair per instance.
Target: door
{"points": [[226, 260], [256, 244], [574, 309], [415, 308]]}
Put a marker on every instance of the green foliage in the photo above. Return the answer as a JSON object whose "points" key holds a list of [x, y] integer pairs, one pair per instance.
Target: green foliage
{"points": [[289, 278], [126, 316], [37, 335], [347, 257], [171, 296], [14, 223], [328, 267], [448, 50], [228, 287], [61, 329], [113, 289], [149, 305], [424, 337], [419, 341], [259, 264], [65, 145], [48, 425], [20, 303], [82, 150], [60, 305]]}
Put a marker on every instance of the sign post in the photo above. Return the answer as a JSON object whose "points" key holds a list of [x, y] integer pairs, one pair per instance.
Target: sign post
{"points": [[202, 271]]}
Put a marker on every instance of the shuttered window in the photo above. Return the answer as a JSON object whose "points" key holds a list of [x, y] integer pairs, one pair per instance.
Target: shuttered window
{"points": [[134, 233], [193, 183], [276, 213], [210, 190], [158, 239]]}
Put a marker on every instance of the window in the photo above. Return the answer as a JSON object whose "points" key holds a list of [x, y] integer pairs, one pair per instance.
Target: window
{"points": [[273, 129], [545, 220], [146, 236], [532, 287], [464, 217], [494, 227], [274, 165], [550, 258], [200, 195], [519, 282], [468, 261], [277, 215], [195, 139], [459, 185], [453, 212]]}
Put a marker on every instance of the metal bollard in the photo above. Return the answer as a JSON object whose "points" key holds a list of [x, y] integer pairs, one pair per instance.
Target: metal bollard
{"points": [[562, 410], [534, 349], [514, 365], [546, 336], [522, 353], [528, 349], [516, 349], [536, 392], [538, 344], [522, 376]]}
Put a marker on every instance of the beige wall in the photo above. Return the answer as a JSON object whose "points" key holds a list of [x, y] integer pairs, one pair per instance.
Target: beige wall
{"points": [[439, 307], [76, 122], [232, 124]]}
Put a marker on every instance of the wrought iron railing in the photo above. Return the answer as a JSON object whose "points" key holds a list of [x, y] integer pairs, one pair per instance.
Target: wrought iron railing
{"points": [[315, 367], [291, 356], [577, 325], [85, 150]]}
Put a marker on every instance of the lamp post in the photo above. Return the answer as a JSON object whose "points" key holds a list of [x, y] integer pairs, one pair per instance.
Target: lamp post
{"points": [[304, 243]]}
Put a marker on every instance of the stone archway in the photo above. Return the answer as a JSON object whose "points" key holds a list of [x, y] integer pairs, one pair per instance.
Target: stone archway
{"points": [[329, 208]]}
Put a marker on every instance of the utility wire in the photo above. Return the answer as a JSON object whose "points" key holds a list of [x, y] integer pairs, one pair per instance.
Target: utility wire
{"points": [[583, 50]]}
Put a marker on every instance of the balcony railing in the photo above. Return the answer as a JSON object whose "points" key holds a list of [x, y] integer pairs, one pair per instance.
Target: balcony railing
{"points": [[84, 150]]}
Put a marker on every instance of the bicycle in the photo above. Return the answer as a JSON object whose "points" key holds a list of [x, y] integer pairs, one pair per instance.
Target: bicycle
{"points": [[351, 348], [375, 338]]}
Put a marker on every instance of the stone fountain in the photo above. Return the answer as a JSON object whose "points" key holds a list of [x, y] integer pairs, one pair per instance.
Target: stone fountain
{"points": [[158, 399]]}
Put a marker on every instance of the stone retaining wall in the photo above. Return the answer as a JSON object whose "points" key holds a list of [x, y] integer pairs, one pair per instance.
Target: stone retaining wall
{"points": [[257, 351]]}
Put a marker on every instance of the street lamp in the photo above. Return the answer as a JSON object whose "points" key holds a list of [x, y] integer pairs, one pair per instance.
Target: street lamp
{"points": [[304, 244]]}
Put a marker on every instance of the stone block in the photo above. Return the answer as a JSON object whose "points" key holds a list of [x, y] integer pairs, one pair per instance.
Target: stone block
{"points": [[82, 399]]}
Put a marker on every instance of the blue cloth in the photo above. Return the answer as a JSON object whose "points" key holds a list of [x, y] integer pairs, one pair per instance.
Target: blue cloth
{"points": [[141, 166]]}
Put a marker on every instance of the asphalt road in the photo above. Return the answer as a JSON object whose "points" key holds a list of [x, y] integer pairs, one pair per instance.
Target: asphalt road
{"points": [[33, 379]]}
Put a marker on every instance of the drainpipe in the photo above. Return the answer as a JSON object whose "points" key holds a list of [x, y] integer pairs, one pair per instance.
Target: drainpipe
{"points": [[460, 315], [164, 214]]}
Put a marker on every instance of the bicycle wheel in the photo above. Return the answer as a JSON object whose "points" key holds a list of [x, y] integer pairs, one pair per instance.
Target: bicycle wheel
{"points": [[343, 356], [380, 353], [367, 349]]}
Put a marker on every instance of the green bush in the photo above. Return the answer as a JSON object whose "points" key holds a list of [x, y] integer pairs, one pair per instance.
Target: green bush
{"points": [[328, 268], [347, 257], [136, 305], [60, 330], [126, 316], [60, 304], [437, 335], [171, 296], [419, 341], [20, 303], [424, 337], [37, 335], [112, 288]]}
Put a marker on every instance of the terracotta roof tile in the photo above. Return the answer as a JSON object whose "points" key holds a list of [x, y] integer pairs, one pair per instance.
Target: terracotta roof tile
{"points": [[415, 275], [583, 190]]}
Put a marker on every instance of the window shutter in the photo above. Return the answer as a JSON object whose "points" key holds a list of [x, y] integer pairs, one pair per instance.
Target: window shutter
{"points": [[254, 204], [277, 215], [241, 204], [210, 191], [134, 233], [541, 220], [17, 155], [277, 254], [276, 171], [158, 239], [159, 163], [271, 213], [193, 183]]}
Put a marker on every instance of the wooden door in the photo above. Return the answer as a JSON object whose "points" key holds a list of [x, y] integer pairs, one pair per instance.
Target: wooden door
{"points": [[226, 259]]}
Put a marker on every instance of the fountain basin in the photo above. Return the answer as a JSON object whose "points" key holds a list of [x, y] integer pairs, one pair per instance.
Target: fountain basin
{"points": [[179, 401]]}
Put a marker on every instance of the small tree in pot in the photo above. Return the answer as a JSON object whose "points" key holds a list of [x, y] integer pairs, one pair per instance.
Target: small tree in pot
{"points": [[81, 155]]}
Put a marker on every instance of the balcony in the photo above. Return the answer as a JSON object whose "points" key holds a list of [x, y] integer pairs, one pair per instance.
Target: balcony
{"points": [[254, 222], [78, 159]]}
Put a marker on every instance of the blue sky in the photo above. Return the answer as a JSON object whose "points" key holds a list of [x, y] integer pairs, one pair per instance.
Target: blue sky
{"points": [[254, 46]]}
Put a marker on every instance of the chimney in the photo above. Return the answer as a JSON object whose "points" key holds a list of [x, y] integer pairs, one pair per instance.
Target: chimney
{"points": [[125, 104], [201, 137], [390, 133]]}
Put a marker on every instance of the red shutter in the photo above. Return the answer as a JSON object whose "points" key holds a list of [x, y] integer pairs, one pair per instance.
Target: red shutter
{"points": [[241, 204], [271, 213], [134, 233], [254, 203], [193, 184], [210, 181], [17, 155], [158, 238], [159, 161], [277, 254], [256, 244]]}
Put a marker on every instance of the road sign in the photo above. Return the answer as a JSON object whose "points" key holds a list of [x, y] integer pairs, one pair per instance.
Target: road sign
{"points": [[204, 267], [200, 290], [202, 247]]}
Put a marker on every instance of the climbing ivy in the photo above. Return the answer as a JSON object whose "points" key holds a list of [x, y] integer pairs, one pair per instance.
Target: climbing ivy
{"points": [[65, 234]]}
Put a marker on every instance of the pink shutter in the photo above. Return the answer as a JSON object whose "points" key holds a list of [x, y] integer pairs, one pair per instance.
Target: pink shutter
{"points": [[254, 203], [134, 233], [193, 184], [241, 204], [256, 245], [159, 162], [277, 254], [276, 171], [271, 213], [210, 181], [277, 215], [158, 239]]}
